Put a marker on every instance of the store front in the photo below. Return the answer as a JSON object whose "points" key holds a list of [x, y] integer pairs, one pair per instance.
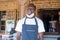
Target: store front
{"points": [[50, 18], [9, 10], [47, 11]]}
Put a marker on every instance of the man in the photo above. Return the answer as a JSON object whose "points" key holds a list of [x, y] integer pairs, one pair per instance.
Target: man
{"points": [[30, 27]]}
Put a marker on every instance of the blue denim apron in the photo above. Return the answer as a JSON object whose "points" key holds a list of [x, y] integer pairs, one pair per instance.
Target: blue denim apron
{"points": [[30, 32]]}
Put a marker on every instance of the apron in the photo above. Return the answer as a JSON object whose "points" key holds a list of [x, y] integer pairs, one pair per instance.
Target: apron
{"points": [[30, 32]]}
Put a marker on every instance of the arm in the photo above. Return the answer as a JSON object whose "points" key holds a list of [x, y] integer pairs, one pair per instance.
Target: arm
{"points": [[41, 36], [18, 29], [18, 35]]}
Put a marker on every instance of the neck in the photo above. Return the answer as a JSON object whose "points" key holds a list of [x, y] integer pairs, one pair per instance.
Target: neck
{"points": [[30, 17]]}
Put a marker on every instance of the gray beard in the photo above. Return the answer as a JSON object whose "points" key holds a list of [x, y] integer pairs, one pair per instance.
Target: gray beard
{"points": [[30, 16]]}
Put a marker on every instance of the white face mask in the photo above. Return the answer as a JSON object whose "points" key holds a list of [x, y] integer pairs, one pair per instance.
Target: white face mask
{"points": [[30, 16]]}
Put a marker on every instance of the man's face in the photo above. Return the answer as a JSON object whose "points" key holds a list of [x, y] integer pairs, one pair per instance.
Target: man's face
{"points": [[30, 10]]}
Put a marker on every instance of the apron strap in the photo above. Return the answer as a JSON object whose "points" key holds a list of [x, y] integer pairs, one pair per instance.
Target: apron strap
{"points": [[35, 21], [25, 20]]}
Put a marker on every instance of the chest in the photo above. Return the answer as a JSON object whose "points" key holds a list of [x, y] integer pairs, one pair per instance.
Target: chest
{"points": [[30, 21]]}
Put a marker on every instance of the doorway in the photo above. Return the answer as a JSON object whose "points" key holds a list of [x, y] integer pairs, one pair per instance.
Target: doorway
{"points": [[47, 15]]}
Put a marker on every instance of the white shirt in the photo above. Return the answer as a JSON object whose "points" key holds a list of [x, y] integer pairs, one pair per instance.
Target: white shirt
{"points": [[30, 22]]}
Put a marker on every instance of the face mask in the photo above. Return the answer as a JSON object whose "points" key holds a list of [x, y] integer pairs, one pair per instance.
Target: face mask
{"points": [[30, 16]]}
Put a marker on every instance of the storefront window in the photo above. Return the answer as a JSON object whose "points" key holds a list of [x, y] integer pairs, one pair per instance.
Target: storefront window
{"points": [[2, 20], [50, 18]]}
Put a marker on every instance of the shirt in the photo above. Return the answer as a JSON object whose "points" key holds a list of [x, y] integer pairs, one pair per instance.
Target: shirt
{"points": [[30, 22]]}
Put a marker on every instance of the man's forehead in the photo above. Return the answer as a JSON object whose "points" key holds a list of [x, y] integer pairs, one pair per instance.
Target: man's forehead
{"points": [[30, 7]]}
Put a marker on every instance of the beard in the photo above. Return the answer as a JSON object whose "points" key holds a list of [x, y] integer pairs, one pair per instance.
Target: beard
{"points": [[30, 16]]}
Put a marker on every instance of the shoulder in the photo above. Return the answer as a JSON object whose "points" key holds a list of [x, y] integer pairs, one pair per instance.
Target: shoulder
{"points": [[38, 19], [21, 20]]}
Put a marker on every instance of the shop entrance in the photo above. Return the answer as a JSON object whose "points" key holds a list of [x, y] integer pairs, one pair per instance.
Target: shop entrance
{"points": [[50, 18]]}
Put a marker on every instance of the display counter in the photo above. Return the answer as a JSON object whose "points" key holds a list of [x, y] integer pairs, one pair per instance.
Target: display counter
{"points": [[51, 36]]}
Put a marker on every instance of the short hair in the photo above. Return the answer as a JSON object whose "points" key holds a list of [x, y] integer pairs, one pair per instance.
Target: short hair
{"points": [[31, 5]]}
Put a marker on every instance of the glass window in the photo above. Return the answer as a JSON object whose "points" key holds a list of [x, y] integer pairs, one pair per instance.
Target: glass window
{"points": [[50, 19], [2, 20]]}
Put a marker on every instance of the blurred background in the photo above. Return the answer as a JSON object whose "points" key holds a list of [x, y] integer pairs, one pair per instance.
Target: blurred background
{"points": [[47, 10]]}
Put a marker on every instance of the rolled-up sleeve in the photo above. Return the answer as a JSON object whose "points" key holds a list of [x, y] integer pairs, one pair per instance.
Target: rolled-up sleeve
{"points": [[41, 26], [19, 26]]}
